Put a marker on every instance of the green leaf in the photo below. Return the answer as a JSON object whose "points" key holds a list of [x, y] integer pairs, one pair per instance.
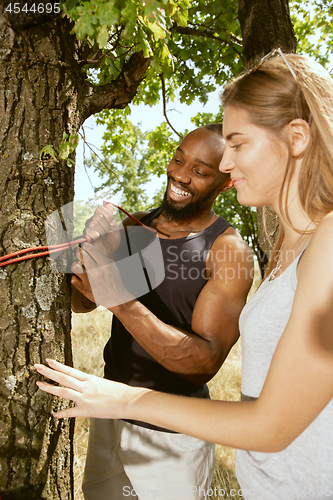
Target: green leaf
{"points": [[147, 50], [70, 4], [48, 151], [157, 30], [103, 37]]}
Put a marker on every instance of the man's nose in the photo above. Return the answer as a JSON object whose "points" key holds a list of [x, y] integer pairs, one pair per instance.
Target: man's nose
{"points": [[182, 174]]}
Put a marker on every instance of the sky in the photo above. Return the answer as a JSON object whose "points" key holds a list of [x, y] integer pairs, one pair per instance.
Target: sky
{"points": [[179, 115]]}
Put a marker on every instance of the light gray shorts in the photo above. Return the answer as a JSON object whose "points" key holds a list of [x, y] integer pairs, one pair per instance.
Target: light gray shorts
{"points": [[128, 461]]}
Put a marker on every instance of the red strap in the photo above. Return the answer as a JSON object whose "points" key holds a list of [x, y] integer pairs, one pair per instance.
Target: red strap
{"points": [[15, 257], [129, 215], [19, 256]]}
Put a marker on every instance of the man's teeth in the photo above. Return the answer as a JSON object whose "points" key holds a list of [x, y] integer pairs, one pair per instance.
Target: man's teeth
{"points": [[179, 192]]}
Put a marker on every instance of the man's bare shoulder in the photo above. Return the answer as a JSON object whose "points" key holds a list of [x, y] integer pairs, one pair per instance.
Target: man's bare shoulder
{"points": [[231, 242], [230, 254], [230, 263]]}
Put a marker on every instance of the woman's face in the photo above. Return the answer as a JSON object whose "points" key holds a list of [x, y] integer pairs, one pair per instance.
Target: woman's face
{"points": [[255, 158]]}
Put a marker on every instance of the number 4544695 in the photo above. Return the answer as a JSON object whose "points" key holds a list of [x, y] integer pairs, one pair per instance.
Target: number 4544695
{"points": [[37, 8]]}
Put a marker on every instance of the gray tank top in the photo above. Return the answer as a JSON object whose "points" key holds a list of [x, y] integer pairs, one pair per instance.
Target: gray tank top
{"points": [[304, 470]]}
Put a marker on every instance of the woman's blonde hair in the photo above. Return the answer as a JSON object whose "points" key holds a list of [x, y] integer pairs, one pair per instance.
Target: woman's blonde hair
{"points": [[273, 97]]}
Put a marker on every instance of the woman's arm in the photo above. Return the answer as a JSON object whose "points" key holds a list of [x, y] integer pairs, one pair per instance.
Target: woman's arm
{"points": [[100, 398], [298, 387]]}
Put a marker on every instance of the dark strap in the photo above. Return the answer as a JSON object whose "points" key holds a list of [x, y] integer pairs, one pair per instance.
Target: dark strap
{"points": [[150, 216]]}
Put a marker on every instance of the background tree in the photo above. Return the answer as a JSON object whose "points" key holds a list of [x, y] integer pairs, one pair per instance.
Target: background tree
{"points": [[265, 26]]}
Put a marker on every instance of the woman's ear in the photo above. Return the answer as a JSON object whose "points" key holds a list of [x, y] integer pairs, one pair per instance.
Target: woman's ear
{"points": [[299, 136]]}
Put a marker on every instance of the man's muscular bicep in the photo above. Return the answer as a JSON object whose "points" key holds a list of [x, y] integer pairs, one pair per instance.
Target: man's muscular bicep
{"points": [[217, 309]]}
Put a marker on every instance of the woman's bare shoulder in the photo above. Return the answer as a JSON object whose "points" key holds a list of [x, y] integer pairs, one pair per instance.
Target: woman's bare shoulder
{"points": [[324, 232], [316, 264]]}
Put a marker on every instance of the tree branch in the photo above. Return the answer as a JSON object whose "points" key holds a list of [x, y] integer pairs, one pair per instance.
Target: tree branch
{"points": [[96, 59], [164, 107], [119, 93], [112, 172], [206, 33]]}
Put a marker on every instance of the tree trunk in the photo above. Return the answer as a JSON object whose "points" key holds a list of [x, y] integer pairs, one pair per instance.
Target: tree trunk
{"points": [[265, 25], [43, 93]]}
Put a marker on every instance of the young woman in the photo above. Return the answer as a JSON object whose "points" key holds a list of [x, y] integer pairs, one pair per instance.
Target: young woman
{"points": [[278, 128]]}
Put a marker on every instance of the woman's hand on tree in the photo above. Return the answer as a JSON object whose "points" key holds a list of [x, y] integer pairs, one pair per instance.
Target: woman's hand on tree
{"points": [[95, 397]]}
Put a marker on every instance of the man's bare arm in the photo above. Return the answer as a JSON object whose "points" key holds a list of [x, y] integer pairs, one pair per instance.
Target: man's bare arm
{"points": [[196, 356], [80, 303]]}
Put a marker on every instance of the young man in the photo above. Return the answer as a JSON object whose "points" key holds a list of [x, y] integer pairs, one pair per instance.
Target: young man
{"points": [[175, 338]]}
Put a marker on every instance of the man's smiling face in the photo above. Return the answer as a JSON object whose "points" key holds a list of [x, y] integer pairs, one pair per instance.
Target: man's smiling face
{"points": [[194, 179]]}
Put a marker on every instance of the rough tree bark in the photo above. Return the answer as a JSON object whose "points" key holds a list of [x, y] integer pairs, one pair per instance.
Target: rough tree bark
{"points": [[43, 93], [265, 25]]}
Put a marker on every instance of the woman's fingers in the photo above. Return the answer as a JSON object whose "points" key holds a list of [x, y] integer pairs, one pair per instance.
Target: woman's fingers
{"points": [[73, 381], [70, 412], [65, 394], [63, 375], [94, 396], [56, 390], [68, 370], [75, 386]]}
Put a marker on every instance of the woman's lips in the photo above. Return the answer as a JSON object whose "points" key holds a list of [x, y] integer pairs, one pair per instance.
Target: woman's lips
{"points": [[237, 182]]}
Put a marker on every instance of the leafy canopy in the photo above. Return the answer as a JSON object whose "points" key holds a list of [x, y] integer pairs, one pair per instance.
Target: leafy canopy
{"points": [[313, 26], [116, 29], [195, 47], [184, 39]]}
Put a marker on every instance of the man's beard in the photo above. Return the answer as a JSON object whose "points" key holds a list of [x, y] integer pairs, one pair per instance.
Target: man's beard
{"points": [[172, 211]]}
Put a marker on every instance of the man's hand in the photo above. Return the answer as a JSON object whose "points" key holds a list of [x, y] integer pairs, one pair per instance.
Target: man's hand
{"points": [[97, 278], [103, 230]]}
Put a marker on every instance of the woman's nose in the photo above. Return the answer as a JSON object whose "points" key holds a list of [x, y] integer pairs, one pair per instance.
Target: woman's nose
{"points": [[226, 164]]}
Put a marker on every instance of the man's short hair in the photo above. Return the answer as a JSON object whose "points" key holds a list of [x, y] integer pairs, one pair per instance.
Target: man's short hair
{"points": [[214, 127]]}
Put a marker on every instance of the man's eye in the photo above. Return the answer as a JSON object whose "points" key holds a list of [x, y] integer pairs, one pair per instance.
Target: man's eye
{"points": [[199, 173], [235, 146]]}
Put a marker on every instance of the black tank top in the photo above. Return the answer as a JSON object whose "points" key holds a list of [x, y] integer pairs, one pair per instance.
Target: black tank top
{"points": [[173, 303]]}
